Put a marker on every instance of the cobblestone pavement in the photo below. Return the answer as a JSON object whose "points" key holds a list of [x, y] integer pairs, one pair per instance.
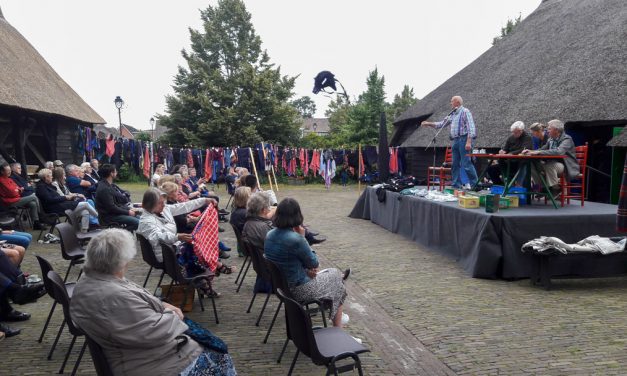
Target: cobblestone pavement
{"points": [[416, 310]]}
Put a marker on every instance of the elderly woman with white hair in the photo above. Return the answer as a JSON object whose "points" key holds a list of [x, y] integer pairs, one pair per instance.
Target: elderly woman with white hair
{"points": [[518, 141], [54, 202], [139, 334]]}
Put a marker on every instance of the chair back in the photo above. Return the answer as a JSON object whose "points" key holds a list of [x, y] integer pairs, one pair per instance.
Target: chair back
{"points": [[240, 243], [148, 254], [62, 298], [68, 215], [70, 248], [299, 326], [170, 265], [98, 357], [278, 278], [581, 152], [259, 265], [45, 269], [448, 156]]}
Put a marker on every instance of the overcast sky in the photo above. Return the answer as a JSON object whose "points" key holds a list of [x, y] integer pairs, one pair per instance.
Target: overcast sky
{"points": [[132, 48]]}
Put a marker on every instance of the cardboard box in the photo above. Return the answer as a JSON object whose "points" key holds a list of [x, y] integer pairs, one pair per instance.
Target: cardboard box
{"points": [[492, 203], [468, 202], [514, 201]]}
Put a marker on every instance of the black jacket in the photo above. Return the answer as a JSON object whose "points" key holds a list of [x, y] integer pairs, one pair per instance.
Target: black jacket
{"points": [[51, 201], [21, 182], [110, 201], [514, 145]]}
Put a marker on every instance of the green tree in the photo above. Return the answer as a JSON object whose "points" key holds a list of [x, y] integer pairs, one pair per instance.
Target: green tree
{"points": [[229, 93], [366, 114], [305, 106], [400, 104], [143, 136], [507, 29]]}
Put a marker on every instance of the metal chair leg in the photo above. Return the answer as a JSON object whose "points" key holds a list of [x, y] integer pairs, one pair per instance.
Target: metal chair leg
{"points": [[159, 283], [293, 362], [43, 331], [244, 276], [251, 302], [67, 355], [287, 340], [56, 340], [241, 269], [276, 313], [147, 276], [200, 296], [215, 311], [80, 357], [263, 309], [67, 273]]}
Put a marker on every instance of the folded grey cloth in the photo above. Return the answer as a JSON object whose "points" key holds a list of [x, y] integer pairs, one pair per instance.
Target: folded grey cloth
{"points": [[591, 244]]}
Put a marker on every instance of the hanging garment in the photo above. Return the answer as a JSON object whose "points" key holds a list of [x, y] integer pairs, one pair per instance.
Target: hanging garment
{"points": [[362, 168], [190, 158], [370, 154], [208, 164], [306, 165], [110, 148], [147, 163], [117, 155], [205, 238], [393, 161], [169, 159]]}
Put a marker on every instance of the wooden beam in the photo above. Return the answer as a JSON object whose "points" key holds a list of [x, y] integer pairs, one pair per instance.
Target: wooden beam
{"points": [[36, 152]]}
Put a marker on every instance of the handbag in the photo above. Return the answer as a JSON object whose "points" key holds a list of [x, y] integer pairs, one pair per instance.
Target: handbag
{"points": [[205, 337]]}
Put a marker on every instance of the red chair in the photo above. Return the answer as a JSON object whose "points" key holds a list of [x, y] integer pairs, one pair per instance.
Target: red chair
{"points": [[578, 184], [441, 174]]}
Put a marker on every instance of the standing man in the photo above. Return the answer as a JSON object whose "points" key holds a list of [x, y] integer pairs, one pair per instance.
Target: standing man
{"points": [[462, 132], [559, 144]]}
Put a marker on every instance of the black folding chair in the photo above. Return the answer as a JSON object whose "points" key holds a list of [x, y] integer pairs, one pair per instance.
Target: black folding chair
{"points": [[101, 364], [173, 269], [61, 296], [325, 346], [148, 254], [280, 282], [247, 259], [262, 271], [70, 247], [82, 236]]}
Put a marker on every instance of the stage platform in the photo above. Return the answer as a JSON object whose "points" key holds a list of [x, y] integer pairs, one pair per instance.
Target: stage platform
{"points": [[487, 245]]}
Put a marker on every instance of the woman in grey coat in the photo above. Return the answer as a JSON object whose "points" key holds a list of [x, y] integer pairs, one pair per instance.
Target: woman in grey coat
{"points": [[140, 335]]}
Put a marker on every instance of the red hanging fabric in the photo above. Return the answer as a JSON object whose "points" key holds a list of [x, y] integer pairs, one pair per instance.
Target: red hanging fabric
{"points": [[306, 169], [190, 158], [147, 163], [205, 238], [110, 146], [362, 169]]}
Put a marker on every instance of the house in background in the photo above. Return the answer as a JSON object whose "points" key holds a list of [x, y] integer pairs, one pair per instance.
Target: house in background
{"points": [[567, 60], [40, 114], [320, 126]]}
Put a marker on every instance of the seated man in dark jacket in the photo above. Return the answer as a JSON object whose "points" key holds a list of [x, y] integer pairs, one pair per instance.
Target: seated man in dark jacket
{"points": [[518, 141], [113, 203], [16, 175]]}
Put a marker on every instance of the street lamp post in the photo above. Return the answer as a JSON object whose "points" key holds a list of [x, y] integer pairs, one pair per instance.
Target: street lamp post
{"points": [[152, 129], [315, 126], [118, 104]]}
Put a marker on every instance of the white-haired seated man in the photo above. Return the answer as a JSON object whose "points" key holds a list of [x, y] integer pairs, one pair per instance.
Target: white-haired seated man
{"points": [[559, 143], [518, 141], [139, 334]]}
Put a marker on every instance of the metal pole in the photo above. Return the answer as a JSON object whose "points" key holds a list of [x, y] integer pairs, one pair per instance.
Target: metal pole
{"points": [[120, 118]]}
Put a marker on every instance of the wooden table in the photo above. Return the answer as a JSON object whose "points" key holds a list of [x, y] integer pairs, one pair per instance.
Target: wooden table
{"points": [[529, 160]]}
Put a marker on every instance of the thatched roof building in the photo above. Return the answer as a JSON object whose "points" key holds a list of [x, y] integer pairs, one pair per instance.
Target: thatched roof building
{"points": [[566, 60], [39, 112]]}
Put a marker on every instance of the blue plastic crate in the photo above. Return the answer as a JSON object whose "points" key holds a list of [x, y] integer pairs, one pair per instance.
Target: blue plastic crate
{"points": [[497, 189]]}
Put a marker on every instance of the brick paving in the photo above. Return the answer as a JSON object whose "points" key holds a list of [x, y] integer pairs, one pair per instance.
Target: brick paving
{"points": [[415, 309]]}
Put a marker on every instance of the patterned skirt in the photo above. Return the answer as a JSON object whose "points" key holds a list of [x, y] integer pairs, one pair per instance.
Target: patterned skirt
{"points": [[211, 363], [327, 286]]}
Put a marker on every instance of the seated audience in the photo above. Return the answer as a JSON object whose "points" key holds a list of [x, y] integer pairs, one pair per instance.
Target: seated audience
{"points": [[559, 143], [518, 141], [139, 334], [88, 174], [11, 196], [14, 252], [76, 184], [240, 199], [57, 163], [22, 239], [185, 191], [94, 169], [16, 175], [258, 219], [286, 246], [159, 172], [112, 203], [54, 202], [13, 286], [49, 165]]}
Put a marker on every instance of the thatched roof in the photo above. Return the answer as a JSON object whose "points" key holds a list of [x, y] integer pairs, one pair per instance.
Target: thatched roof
{"points": [[566, 60], [28, 82]]}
